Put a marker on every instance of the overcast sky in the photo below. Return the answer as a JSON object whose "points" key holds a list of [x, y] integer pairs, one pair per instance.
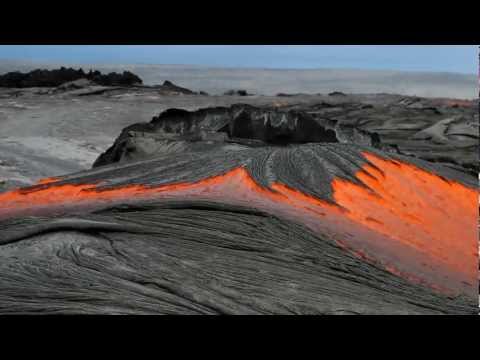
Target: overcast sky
{"points": [[456, 58]]}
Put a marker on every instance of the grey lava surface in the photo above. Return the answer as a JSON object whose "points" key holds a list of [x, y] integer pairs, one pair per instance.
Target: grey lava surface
{"points": [[193, 256]]}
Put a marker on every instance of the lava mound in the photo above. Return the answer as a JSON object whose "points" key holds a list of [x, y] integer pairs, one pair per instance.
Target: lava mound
{"points": [[243, 210], [239, 124]]}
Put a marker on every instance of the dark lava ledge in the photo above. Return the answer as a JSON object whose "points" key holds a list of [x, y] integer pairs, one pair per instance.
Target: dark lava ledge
{"points": [[198, 253], [58, 77]]}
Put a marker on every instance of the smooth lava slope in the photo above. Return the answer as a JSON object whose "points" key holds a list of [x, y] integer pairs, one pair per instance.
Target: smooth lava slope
{"points": [[410, 221]]}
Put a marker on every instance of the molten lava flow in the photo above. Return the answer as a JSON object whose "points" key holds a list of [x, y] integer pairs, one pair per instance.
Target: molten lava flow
{"points": [[417, 209], [406, 220]]}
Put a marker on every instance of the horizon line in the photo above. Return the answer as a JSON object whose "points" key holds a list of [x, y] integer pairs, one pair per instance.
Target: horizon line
{"points": [[80, 64]]}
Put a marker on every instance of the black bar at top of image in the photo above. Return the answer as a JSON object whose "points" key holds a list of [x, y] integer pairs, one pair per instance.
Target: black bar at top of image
{"points": [[242, 23], [142, 36]]}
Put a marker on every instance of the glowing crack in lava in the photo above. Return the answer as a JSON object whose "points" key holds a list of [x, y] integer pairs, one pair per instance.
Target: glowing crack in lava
{"points": [[412, 223]]}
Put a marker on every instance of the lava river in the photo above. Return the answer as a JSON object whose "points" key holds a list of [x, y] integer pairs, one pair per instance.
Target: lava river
{"points": [[406, 220]]}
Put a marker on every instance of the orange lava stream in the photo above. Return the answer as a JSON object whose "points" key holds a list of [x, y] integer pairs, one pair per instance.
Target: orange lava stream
{"points": [[411, 222], [416, 208]]}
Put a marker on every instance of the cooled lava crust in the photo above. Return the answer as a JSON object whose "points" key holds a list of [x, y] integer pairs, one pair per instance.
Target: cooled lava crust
{"points": [[306, 229]]}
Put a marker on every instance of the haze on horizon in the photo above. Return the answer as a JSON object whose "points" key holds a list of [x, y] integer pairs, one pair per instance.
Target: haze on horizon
{"points": [[461, 59]]}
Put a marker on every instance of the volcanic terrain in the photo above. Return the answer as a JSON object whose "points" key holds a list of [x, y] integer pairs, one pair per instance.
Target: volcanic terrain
{"points": [[134, 199]]}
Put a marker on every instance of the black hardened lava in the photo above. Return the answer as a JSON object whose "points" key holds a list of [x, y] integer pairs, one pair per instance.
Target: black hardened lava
{"points": [[57, 77]]}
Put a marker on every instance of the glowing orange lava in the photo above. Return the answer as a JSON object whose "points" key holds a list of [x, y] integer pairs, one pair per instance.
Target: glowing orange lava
{"points": [[417, 208], [408, 221]]}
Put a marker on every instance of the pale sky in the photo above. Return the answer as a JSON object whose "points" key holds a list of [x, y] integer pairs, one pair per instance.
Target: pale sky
{"points": [[443, 58]]}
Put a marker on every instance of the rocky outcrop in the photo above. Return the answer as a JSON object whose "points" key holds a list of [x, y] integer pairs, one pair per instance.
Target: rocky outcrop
{"points": [[240, 123], [171, 89], [57, 77], [236, 93]]}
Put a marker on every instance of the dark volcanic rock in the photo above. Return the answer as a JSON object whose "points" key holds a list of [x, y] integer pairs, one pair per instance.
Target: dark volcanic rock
{"points": [[265, 126], [57, 77], [290, 95], [260, 126], [114, 79], [236, 93], [168, 86], [337, 93], [279, 127]]}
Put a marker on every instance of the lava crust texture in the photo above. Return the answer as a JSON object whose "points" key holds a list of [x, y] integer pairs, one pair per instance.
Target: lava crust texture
{"points": [[225, 227]]}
